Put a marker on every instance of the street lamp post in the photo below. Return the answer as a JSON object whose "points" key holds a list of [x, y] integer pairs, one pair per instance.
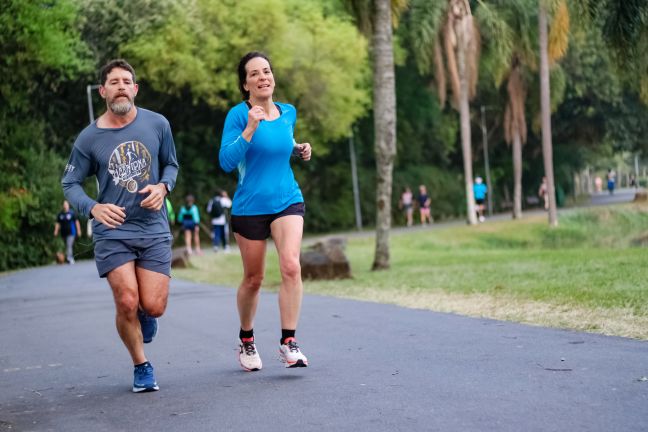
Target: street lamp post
{"points": [[354, 179], [89, 89]]}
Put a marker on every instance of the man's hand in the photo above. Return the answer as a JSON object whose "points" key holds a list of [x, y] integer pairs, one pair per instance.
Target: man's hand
{"points": [[303, 151], [156, 196], [109, 214]]}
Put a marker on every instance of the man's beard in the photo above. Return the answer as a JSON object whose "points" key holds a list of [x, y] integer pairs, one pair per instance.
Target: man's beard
{"points": [[121, 108]]}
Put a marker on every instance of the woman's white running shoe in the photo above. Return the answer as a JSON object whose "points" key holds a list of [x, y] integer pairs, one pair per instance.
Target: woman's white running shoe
{"points": [[249, 357], [291, 355]]}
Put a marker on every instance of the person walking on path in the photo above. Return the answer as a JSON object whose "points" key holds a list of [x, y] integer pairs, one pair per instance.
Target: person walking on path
{"points": [[407, 205], [611, 181], [424, 203], [543, 193], [189, 216], [258, 140], [131, 152], [480, 190], [217, 208], [68, 225]]}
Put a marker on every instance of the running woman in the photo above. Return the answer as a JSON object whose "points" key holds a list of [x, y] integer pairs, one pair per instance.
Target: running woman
{"points": [[131, 152], [258, 141]]}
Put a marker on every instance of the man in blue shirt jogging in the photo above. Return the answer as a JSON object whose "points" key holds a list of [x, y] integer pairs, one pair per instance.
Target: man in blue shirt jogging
{"points": [[131, 152]]}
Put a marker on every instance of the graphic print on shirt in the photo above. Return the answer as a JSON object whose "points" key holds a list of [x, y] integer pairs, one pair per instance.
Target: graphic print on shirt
{"points": [[129, 164]]}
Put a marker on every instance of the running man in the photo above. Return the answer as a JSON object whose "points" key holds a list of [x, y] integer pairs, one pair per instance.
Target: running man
{"points": [[131, 152]]}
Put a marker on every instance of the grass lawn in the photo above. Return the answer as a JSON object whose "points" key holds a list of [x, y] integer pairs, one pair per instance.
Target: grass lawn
{"points": [[588, 274]]}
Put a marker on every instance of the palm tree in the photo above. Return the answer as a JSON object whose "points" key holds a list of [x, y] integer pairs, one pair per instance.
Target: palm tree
{"points": [[509, 42], [515, 129], [446, 29], [561, 17], [377, 17], [508, 39]]}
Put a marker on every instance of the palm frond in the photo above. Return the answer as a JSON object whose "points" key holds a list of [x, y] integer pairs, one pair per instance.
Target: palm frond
{"points": [[439, 72], [517, 95], [559, 33], [625, 24], [472, 56], [427, 19], [397, 8], [508, 124], [362, 13], [498, 37], [450, 41]]}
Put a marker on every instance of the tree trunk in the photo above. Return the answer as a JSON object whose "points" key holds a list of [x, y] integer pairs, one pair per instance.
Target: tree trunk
{"points": [[517, 174], [547, 150], [464, 116], [385, 127]]}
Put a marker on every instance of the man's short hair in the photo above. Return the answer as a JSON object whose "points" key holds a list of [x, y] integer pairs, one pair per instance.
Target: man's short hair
{"points": [[112, 64]]}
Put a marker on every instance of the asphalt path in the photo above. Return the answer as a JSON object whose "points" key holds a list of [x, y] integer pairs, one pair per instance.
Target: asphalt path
{"points": [[373, 367], [620, 196]]}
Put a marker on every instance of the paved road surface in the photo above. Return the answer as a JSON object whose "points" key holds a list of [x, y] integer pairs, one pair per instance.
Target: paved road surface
{"points": [[620, 196], [373, 367]]}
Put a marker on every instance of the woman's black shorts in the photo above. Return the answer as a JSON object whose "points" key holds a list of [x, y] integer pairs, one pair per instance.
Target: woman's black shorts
{"points": [[257, 227]]}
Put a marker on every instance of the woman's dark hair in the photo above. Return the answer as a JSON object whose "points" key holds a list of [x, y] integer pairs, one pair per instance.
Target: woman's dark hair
{"points": [[242, 73]]}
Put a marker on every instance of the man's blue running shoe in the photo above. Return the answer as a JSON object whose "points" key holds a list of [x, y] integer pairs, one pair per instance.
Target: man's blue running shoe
{"points": [[149, 325], [144, 380]]}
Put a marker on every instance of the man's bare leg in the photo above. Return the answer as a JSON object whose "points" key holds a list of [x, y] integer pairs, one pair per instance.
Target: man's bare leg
{"points": [[124, 285], [153, 291]]}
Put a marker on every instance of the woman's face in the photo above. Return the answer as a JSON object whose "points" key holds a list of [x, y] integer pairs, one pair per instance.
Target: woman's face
{"points": [[259, 80]]}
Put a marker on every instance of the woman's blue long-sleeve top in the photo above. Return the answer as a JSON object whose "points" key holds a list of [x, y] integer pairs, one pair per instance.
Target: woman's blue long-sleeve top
{"points": [[266, 183]]}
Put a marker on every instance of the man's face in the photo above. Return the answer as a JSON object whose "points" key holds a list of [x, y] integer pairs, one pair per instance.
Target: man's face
{"points": [[119, 90]]}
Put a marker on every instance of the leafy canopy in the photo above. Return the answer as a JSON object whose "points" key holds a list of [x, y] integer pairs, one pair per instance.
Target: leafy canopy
{"points": [[319, 62]]}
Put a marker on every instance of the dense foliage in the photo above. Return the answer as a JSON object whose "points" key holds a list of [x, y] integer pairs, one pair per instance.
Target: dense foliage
{"points": [[185, 53], [41, 52]]}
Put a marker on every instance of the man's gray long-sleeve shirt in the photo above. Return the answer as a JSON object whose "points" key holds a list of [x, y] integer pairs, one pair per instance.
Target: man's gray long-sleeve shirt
{"points": [[124, 160]]}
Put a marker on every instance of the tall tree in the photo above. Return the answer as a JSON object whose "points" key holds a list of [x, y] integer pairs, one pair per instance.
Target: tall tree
{"points": [[508, 51], [560, 27], [506, 24], [515, 130], [377, 18], [447, 29], [384, 85]]}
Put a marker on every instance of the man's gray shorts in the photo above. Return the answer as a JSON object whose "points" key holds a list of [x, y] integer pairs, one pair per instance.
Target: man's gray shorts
{"points": [[149, 253]]}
